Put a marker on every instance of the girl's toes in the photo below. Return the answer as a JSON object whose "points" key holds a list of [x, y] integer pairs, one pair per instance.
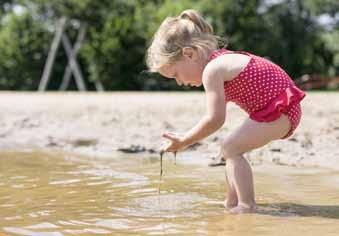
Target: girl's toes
{"points": [[230, 204]]}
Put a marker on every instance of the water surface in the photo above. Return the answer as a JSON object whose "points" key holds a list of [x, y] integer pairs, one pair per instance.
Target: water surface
{"points": [[54, 194]]}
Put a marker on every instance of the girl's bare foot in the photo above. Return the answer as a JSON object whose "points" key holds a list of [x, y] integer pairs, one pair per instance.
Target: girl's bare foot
{"points": [[241, 209], [230, 204]]}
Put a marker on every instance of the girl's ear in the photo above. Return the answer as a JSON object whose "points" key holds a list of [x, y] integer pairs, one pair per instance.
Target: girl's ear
{"points": [[189, 53]]}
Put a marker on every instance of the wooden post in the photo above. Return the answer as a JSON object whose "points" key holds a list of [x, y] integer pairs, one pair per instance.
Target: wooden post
{"points": [[52, 54], [73, 63], [99, 87], [68, 72]]}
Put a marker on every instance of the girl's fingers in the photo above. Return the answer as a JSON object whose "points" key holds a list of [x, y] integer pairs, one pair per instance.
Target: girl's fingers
{"points": [[174, 140], [168, 148], [173, 134], [170, 136]]}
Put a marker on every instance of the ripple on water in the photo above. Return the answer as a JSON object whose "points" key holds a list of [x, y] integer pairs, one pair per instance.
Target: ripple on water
{"points": [[132, 179], [86, 231], [164, 228], [163, 206], [44, 225], [65, 182], [20, 231], [112, 173], [115, 223]]}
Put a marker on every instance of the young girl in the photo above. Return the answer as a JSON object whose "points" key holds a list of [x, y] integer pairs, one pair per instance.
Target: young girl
{"points": [[185, 49]]}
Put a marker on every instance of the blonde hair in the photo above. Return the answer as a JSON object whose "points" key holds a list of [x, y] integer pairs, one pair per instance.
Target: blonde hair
{"points": [[189, 29]]}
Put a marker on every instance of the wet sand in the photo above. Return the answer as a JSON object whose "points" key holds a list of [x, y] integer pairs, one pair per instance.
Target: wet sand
{"points": [[107, 124]]}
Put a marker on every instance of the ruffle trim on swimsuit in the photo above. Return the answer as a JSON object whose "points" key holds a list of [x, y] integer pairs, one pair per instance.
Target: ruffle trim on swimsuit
{"points": [[279, 105]]}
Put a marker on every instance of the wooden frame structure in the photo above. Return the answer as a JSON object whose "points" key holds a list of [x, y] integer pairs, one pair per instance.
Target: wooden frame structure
{"points": [[71, 52]]}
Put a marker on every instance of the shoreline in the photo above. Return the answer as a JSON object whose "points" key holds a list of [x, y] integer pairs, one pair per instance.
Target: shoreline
{"points": [[104, 123]]}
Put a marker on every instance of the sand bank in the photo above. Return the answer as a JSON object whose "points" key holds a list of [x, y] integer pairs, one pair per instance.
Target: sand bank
{"points": [[112, 123]]}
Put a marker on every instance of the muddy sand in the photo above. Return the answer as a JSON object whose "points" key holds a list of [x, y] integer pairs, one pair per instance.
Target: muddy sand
{"points": [[113, 124]]}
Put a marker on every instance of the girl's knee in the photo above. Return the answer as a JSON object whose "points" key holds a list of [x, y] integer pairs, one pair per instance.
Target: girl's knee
{"points": [[229, 149]]}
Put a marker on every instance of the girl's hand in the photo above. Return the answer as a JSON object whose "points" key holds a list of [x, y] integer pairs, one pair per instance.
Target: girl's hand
{"points": [[176, 142]]}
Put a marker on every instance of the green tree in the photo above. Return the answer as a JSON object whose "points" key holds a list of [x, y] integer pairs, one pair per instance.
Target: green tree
{"points": [[296, 39], [119, 32], [23, 42]]}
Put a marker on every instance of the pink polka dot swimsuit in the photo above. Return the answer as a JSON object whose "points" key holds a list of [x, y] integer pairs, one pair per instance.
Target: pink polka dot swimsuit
{"points": [[264, 91]]}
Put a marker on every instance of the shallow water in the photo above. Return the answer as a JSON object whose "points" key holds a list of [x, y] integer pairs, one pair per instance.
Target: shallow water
{"points": [[62, 194]]}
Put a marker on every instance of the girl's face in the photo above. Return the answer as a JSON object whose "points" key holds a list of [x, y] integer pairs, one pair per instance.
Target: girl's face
{"points": [[188, 70]]}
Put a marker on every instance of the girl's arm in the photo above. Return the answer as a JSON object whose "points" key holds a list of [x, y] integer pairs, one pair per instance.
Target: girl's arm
{"points": [[213, 81]]}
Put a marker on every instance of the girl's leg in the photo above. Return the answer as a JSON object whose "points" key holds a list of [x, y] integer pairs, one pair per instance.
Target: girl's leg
{"points": [[231, 199], [241, 176], [250, 135]]}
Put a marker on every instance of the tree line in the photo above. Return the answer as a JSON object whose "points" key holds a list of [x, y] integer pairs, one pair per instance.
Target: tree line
{"points": [[300, 35]]}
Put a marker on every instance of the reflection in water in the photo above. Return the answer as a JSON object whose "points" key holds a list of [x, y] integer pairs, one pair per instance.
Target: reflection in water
{"points": [[58, 194]]}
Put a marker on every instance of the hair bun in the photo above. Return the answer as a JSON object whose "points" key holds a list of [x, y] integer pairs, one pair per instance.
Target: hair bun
{"points": [[197, 19]]}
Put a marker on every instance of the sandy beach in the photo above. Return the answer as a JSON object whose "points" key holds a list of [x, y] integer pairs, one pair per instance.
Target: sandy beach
{"points": [[119, 122]]}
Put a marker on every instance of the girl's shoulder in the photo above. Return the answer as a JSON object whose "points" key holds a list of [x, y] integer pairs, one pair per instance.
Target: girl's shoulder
{"points": [[223, 51], [231, 63]]}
